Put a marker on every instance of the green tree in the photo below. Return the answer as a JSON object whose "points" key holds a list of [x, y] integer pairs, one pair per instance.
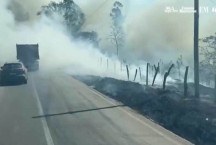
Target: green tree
{"points": [[71, 14]]}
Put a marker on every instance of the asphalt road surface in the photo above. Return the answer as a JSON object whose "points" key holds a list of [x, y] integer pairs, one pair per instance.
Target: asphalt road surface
{"points": [[55, 109]]}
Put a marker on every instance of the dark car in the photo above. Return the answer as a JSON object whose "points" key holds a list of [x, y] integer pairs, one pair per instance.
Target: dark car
{"points": [[14, 73]]}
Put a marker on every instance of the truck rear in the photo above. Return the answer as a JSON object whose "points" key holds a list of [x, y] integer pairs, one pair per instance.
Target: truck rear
{"points": [[28, 54]]}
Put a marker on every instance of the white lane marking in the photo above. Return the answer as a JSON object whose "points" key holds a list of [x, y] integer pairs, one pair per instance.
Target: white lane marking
{"points": [[139, 120], [48, 136]]}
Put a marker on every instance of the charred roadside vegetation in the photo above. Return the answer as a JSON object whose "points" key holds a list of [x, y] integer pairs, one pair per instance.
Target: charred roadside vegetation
{"points": [[191, 118]]}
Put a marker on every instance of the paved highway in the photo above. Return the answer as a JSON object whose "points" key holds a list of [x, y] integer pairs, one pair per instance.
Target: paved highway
{"points": [[55, 109]]}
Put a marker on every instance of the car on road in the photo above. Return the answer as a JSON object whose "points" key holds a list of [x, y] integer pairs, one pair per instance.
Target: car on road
{"points": [[15, 73]]}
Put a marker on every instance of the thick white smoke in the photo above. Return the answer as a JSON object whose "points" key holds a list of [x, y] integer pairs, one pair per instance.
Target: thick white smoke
{"points": [[57, 49], [27, 8], [151, 35]]}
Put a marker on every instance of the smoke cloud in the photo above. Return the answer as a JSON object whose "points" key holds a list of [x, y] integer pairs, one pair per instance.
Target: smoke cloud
{"points": [[155, 34], [24, 10], [58, 51], [151, 35]]}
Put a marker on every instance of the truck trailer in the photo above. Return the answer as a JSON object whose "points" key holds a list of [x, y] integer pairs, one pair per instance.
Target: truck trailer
{"points": [[28, 54]]}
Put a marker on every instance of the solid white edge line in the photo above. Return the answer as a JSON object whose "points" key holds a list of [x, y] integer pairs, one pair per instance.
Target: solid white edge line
{"points": [[138, 119], [48, 136]]}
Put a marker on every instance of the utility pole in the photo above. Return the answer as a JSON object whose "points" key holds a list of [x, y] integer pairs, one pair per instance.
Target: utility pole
{"points": [[196, 48]]}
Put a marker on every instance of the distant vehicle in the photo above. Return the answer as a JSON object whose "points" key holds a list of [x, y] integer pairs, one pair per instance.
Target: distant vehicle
{"points": [[14, 73], [28, 54]]}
